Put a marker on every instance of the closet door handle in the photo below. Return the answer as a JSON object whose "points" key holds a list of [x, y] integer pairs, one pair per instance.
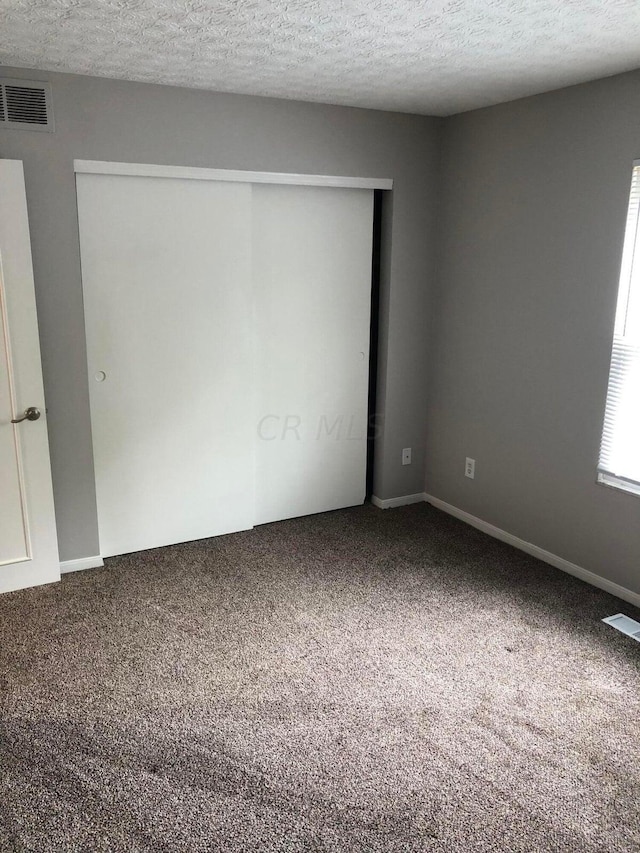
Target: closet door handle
{"points": [[31, 414]]}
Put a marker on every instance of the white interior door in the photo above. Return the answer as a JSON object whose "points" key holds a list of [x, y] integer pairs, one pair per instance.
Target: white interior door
{"points": [[166, 267], [312, 282], [28, 542]]}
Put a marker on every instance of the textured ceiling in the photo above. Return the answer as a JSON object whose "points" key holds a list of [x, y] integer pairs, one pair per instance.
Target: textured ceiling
{"points": [[423, 56]]}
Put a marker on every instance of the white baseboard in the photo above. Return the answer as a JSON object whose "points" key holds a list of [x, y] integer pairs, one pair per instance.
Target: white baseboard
{"points": [[403, 500], [81, 564], [497, 533], [546, 556]]}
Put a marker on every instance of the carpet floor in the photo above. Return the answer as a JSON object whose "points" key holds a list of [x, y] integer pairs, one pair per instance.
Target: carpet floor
{"points": [[355, 681]]}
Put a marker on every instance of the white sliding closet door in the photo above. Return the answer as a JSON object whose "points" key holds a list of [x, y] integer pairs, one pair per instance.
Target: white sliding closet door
{"points": [[166, 266], [312, 281]]}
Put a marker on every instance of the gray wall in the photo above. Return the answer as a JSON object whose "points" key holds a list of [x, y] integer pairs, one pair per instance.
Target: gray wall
{"points": [[511, 341], [534, 197], [101, 119]]}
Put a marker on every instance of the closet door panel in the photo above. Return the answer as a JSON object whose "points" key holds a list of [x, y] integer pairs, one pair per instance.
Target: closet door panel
{"points": [[312, 283], [166, 266]]}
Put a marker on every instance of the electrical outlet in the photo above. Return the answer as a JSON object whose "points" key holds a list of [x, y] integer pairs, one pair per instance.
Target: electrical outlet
{"points": [[470, 468], [406, 456]]}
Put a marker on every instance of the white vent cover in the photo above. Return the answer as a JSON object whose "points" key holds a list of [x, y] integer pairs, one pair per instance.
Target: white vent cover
{"points": [[25, 105], [625, 624]]}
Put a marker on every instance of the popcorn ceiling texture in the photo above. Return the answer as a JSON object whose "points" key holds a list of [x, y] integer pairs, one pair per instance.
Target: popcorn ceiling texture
{"points": [[362, 681], [437, 57]]}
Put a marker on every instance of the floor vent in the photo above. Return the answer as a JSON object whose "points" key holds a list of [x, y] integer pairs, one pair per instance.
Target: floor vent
{"points": [[25, 104], [625, 624]]}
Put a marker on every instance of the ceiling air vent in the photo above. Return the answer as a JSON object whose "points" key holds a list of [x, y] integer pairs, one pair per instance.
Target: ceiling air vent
{"points": [[25, 105]]}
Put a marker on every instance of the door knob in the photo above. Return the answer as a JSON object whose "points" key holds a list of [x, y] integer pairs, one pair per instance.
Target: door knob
{"points": [[31, 414]]}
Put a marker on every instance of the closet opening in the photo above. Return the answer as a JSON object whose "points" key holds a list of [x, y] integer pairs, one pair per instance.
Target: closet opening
{"points": [[232, 324]]}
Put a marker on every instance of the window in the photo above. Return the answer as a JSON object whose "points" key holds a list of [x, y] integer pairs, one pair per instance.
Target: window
{"points": [[619, 463]]}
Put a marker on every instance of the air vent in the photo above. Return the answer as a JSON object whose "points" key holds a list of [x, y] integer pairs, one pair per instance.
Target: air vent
{"points": [[25, 105], [625, 624]]}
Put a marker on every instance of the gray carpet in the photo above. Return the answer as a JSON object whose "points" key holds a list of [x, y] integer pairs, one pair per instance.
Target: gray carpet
{"points": [[356, 681]]}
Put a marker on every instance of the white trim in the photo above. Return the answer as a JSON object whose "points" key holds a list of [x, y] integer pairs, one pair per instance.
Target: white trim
{"points": [[81, 564], [546, 556], [147, 170], [613, 482], [18, 453], [403, 500]]}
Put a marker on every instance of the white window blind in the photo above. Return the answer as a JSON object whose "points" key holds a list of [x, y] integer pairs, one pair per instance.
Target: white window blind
{"points": [[619, 463]]}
